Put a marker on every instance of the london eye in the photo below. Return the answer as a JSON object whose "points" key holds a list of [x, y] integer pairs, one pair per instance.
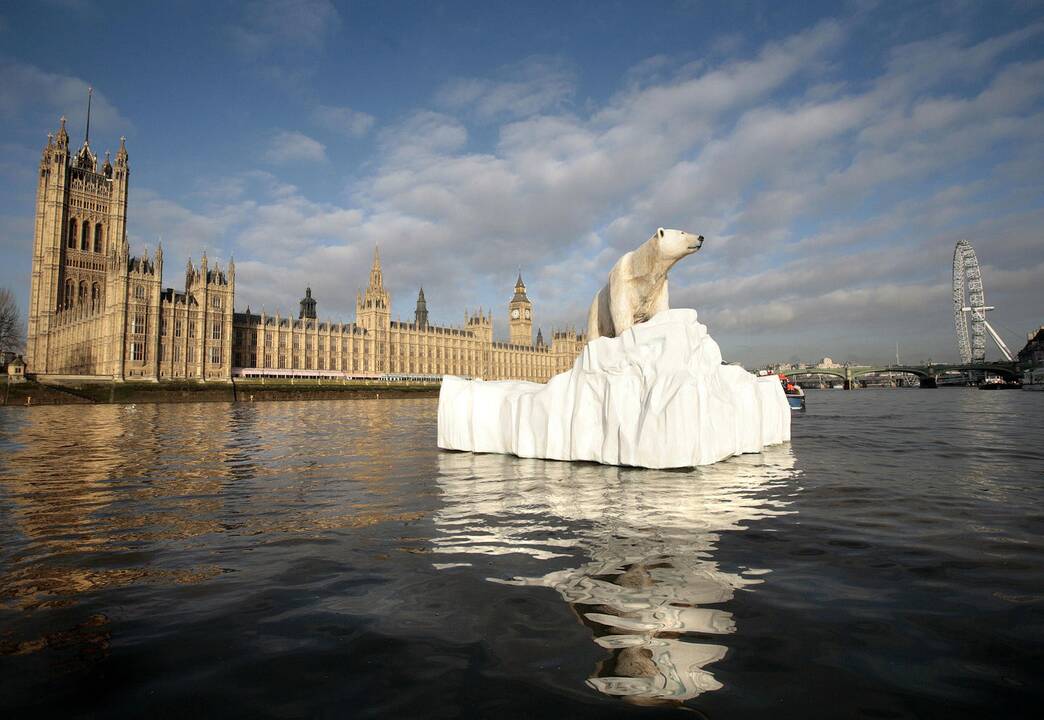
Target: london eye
{"points": [[969, 307]]}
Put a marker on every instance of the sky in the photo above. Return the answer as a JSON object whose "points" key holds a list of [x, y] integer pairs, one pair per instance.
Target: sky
{"points": [[831, 153]]}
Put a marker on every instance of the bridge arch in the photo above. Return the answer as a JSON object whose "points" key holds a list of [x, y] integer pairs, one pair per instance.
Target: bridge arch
{"points": [[808, 372]]}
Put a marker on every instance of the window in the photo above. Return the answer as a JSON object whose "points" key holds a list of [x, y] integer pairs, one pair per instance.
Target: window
{"points": [[98, 246], [163, 325], [238, 361], [190, 354], [215, 355], [239, 337], [160, 353], [139, 292], [321, 364], [70, 293], [95, 297], [85, 235], [215, 329], [215, 302], [268, 340], [138, 352], [71, 242], [82, 297], [139, 324], [177, 328], [253, 359], [192, 328], [177, 353], [268, 360], [282, 361]]}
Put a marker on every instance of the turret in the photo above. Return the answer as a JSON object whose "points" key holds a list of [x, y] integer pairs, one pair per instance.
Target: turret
{"points": [[308, 305], [421, 313]]}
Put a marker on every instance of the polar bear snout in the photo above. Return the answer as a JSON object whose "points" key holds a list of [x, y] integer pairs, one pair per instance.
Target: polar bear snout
{"points": [[698, 244]]}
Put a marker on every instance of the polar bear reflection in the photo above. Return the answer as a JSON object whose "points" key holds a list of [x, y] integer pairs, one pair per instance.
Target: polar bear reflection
{"points": [[645, 540]]}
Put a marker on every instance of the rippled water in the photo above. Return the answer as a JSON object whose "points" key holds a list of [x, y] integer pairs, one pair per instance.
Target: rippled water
{"points": [[324, 559]]}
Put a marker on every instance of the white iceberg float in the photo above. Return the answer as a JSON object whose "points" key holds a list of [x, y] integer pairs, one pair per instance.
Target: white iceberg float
{"points": [[656, 396]]}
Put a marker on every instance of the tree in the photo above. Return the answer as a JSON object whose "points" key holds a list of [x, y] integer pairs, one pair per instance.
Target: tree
{"points": [[11, 335]]}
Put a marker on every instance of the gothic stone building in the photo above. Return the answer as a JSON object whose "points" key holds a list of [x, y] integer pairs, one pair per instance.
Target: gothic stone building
{"points": [[96, 310]]}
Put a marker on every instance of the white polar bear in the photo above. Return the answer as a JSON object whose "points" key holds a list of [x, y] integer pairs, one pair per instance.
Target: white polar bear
{"points": [[637, 287]]}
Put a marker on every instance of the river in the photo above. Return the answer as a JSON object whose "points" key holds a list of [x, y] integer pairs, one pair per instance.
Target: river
{"points": [[324, 559]]}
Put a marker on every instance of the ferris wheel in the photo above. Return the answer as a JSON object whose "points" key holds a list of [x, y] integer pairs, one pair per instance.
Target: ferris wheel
{"points": [[969, 307]]}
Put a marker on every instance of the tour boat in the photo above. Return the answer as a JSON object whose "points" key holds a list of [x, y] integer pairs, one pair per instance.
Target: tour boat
{"points": [[795, 395], [998, 383]]}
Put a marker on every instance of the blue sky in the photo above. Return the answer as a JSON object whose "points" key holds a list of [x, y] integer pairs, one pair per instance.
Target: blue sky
{"points": [[831, 153]]}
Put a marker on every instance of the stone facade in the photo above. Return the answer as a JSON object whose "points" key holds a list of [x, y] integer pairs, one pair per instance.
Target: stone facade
{"points": [[375, 345], [96, 310]]}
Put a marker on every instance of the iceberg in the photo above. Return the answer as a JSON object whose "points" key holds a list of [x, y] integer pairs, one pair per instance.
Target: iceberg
{"points": [[656, 396]]}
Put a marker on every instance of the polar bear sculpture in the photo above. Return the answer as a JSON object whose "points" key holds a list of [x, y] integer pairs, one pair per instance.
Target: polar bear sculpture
{"points": [[657, 396], [637, 287]]}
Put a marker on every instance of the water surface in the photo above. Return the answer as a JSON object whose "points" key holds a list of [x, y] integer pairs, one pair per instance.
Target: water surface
{"points": [[324, 559]]}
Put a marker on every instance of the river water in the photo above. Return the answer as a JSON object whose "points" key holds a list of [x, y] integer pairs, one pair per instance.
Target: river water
{"points": [[324, 559]]}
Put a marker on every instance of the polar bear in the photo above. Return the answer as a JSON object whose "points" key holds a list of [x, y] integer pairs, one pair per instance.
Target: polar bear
{"points": [[637, 287]]}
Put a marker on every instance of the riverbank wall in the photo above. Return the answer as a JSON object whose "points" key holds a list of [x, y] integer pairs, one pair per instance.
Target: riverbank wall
{"points": [[31, 393]]}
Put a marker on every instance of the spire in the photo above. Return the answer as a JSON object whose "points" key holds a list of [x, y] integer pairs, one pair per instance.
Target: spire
{"points": [[376, 257], [63, 135], [520, 290], [87, 129], [420, 315]]}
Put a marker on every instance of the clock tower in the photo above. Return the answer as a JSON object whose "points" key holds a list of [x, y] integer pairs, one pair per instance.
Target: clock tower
{"points": [[520, 316]]}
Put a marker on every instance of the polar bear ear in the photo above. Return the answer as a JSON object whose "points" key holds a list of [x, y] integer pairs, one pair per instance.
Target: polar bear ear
{"points": [[659, 232]]}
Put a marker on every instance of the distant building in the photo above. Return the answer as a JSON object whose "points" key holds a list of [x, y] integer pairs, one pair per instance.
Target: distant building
{"points": [[96, 310], [1033, 354], [828, 363]]}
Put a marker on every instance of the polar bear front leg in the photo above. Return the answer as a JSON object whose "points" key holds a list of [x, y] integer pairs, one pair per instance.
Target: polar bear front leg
{"points": [[622, 308], [598, 318], [660, 303]]}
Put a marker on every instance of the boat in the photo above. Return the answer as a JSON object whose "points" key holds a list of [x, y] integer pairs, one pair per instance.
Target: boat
{"points": [[795, 395], [998, 383]]}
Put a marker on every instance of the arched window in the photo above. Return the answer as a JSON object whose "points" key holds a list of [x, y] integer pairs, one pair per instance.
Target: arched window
{"points": [[82, 299], [85, 236], [71, 241], [95, 297], [98, 247], [70, 292]]}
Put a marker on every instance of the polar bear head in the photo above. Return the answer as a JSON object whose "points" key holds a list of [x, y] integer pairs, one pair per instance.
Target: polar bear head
{"points": [[676, 244]]}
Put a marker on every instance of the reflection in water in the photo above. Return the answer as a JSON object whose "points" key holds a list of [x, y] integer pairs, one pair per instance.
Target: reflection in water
{"points": [[645, 539], [123, 495]]}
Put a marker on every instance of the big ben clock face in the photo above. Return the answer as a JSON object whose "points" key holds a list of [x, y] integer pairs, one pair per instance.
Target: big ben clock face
{"points": [[514, 314], [528, 315]]}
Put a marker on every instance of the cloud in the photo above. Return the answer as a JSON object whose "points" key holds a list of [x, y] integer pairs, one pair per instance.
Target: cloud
{"points": [[36, 98], [535, 85], [289, 147], [283, 40], [343, 120], [269, 26]]}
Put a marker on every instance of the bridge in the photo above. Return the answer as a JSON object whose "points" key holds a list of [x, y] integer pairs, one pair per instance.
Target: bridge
{"points": [[927, 375]]}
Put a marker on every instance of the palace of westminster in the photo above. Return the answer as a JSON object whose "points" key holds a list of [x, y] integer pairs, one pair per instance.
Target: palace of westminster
{"points": [[96, 310]]}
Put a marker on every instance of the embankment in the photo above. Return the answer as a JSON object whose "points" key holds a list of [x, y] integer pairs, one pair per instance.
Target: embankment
{"points": [[29, 393]]}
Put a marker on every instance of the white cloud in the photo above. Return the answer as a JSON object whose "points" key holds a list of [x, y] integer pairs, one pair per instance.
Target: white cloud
{"points": [[268, 26], [288, 147], [535, 85], [37, 98], [343, 120]]}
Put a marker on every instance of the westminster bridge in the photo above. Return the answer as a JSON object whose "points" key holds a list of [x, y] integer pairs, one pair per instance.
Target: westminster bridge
{"points": [[928, 375]]}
